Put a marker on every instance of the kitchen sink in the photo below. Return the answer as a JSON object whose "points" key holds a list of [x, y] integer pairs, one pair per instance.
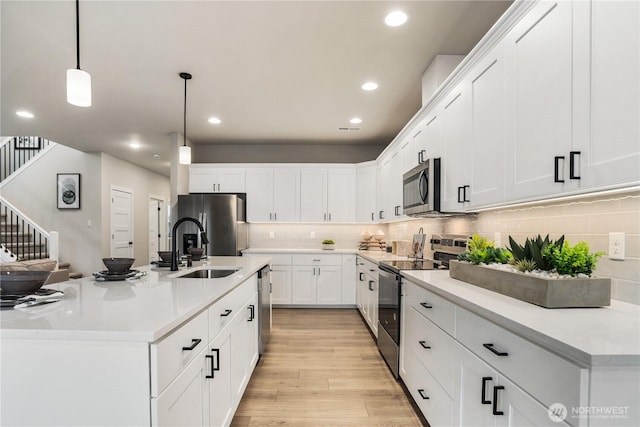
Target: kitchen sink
{"points": [[209, 273]]}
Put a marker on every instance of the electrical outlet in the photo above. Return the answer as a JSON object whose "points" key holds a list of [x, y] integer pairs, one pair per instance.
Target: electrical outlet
{"points": [[272, 235], [313, 234], [616, 246]]}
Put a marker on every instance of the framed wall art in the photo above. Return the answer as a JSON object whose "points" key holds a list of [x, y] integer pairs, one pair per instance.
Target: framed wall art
{"points": [[27, 143], [68, 190]]}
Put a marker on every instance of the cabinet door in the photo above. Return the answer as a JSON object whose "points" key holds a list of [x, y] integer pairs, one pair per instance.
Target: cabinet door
{"points": [[473, 390], [488, 96], [372, 305], [280, 284], [609, 136], [313, 195], [231, 180], [341, 195], [259, 185], [408, 160], [432, 135], [539, 73], [303, 284], [382, 182], [348, 279], [186, 401], [328, 284], [219, 359], [286, 195], [394, 186], [366, 194], [202, 180], [456, 160], [244, 348]]}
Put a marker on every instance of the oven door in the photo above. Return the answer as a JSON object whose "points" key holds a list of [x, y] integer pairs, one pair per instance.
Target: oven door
{"points": [[389, 303]]}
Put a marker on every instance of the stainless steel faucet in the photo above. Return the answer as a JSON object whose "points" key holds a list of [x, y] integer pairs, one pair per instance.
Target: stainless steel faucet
{"points": [[174, 255]]}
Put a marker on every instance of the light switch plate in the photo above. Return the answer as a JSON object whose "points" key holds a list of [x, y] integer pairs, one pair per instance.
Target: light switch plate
{"points": [[272, 235], [616, 246], [313, 234]]}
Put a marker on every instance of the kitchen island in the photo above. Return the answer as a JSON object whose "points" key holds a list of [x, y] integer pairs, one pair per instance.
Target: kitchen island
{"points": [[149, 351]]}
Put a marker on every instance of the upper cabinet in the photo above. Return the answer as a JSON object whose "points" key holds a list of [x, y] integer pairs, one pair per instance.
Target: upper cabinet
{"points": [[208, 178], [273, 195], [366, 193], [328, 194], [607, 106]]}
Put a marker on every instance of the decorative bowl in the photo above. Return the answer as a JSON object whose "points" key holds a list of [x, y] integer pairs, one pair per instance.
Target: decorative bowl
{"points": [[379, 235], [196, 252], [118, 265], [22, 282], [165, 256]]}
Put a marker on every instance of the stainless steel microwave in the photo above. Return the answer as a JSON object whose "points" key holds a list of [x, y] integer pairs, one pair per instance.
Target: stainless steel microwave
{"points": [[421, 188]]}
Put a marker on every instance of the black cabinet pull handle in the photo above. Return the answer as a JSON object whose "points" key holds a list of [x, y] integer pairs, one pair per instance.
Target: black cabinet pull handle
{"points": [[194, 344], [494, 351], [422, 395], [495, 400], [372, 215], [252, 312], [425, 305], [556, 168], [573, 165], [226, 313], [370, 285], [424, 344], [210, 357], [216, 367], [483, 399], [464, 193], [361, 276], [460, 197]]}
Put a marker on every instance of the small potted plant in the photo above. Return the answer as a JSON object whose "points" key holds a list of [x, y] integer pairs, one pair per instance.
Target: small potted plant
{"points": [[328, 244]]}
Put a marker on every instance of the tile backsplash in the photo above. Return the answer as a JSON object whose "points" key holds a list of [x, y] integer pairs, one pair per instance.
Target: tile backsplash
{"points": [[588, 219]]}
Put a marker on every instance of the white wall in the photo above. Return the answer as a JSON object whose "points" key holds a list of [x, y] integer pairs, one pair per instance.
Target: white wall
{"points": [[34, 193], [142, 183]]}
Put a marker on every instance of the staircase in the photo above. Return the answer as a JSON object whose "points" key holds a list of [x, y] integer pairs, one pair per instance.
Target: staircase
{"points": [[21, 238]]}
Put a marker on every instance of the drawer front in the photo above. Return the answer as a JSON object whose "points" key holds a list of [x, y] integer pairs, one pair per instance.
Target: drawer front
{"points": [[432, 346], [547, 377], [434, 403], [433, 307], [173, 353], [316, 259], [224, 310]]}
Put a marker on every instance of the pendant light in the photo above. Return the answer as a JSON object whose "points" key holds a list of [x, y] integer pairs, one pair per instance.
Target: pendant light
{"points": [[78, 81], [184, 153]]}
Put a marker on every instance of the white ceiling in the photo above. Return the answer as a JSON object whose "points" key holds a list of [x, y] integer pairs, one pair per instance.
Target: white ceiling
{"points": [[273, 71]]}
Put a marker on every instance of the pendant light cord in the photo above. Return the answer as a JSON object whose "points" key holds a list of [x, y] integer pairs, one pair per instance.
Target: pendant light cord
{"points": [[185, 112], [78, 34]]}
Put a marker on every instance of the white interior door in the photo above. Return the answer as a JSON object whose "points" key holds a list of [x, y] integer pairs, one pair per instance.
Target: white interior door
{"points": [[121, 223], [156, 227]]}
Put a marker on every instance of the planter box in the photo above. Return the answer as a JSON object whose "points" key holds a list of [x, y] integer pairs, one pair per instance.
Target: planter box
{"points": [[548, 293], [328, 246]]}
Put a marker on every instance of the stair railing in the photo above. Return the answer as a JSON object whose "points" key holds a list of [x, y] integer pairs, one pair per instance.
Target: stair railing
{"points": [[16, 151], [23, 237]]}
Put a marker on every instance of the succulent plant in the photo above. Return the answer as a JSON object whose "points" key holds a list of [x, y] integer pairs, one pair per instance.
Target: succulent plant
{"points": [[534, 249], [482, 251], [328, 242], [525, 265]]}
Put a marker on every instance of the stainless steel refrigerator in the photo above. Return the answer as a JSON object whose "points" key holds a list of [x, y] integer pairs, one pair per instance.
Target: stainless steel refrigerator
{"points": [[223, 217]]}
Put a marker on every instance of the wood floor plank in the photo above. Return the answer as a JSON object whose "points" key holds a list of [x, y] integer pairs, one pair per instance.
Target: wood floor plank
{"points": [[322, 368]]}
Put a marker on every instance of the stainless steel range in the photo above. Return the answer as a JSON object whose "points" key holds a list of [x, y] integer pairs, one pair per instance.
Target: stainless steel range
{"points": [[445, 248]]}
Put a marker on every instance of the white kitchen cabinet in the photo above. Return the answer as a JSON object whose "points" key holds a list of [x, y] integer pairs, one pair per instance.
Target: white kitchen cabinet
{"points": [[273, 195], [367, 292], [366, 187], [486, 86], [348, 279], [383, 175], [219, 381], [456, 162], [389, 182], [209, 178], [244, 347], [413, 150], [280, 284], [327, 194], [432, 134], [607, 92], [316, 284], [539, 102]]}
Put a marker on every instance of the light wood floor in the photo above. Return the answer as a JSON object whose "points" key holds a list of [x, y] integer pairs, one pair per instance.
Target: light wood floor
{"points": [[322, 368]]}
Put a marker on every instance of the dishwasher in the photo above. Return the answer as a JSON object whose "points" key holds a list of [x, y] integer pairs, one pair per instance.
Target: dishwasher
{"points": [[264, 302]]}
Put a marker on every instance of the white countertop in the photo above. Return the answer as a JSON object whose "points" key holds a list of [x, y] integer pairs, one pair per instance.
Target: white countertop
{"points": [[143, 309], [586, 336], [374, 255]]}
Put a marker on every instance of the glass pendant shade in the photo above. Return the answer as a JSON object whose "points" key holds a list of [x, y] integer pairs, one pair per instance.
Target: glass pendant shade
{"points": [[78, 87], [184, 155]]}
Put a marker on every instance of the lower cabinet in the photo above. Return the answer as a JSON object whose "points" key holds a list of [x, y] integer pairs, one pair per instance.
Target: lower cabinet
{"points": [[316, 279], [367, 292], [280, 284]]}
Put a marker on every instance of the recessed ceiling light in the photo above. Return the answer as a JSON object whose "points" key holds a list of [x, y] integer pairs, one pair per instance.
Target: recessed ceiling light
{"points": [[395, 18], [370, 86], [214, 120], [156, 156], [134, 145], [355, 120], [25, 114]]}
